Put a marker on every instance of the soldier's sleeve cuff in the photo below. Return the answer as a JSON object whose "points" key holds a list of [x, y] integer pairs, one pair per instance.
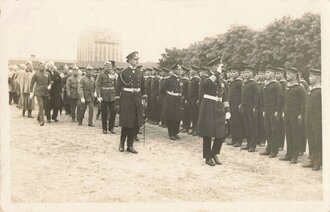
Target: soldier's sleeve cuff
{"points": [[117, 97], [213, 78], [226, 104]]}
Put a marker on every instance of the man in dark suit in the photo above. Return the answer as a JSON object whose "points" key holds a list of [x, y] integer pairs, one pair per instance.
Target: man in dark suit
{"points": [[131, 98], [193, 92], [55, 100], [172, 105], [313, 120], [214, 110]]}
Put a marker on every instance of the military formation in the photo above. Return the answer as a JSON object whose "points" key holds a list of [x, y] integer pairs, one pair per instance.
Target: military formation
{"points": [[214, 102]]}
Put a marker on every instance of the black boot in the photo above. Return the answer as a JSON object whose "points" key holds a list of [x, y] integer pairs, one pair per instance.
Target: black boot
{"points": [[131, 150], [30, 114], [122, 146], [23, 113]]}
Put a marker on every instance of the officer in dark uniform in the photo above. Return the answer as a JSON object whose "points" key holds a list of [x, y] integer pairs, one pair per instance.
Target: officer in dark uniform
{"points": [[148, 79], [154, 112], [131, 97], [214, 110], [294, 108], [165, 74], [185, 100], [105, 88], [172, 105], [260, 77], [280, 76], [271, 103], [248, 105], [234, 97], [193, 98], [313, 120]]}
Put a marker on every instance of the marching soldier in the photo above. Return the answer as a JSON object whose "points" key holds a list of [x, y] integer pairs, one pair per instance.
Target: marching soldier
{"points": [[72, 92], [86, 91], [280, 77], [193, 98], [172, 105], [294, 108], [234, 97], [42, 82], [185, 100], [248, 105], [131, 97], [313, 120], [105, 88], [271, 102], [214, 110], [155, 112]]}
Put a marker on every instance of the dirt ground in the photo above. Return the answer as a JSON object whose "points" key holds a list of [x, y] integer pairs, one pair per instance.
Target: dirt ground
{"points": [[64, 162]]}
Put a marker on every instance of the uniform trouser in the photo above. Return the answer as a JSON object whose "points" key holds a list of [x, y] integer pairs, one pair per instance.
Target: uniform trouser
{"points": [[210, 150], [271, 130], [249, 123], [55, 113], [303, 139], [11, 97], [292, 133], [105, 106], [260, 128], [74, 104], [313, 124], [236, 124], [173, 127], [194, 115], [128, 133], [186, 122], [83, 108], [154, 110], [43, 104], [281, 130]]}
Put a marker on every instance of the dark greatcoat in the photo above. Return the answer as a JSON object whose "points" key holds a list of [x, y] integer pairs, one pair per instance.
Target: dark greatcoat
{"points": [[131, 110], [172, 105], [211, 119], [55, 91]]}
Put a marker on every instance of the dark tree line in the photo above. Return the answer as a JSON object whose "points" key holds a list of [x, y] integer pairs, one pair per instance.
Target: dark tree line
{"points": [[283, 43]]}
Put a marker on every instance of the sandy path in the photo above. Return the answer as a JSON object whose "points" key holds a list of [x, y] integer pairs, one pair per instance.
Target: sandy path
{"points": [[64, 162]]}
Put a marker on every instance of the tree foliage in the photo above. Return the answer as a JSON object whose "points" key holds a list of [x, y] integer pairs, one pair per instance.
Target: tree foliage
{"points": [[283, 43]]}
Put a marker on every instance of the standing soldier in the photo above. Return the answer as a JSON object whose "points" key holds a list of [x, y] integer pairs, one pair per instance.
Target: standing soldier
{"points": [[193, 98], [280, 77], [313, 120], [214, 110], [72, 92], [260, 77], [41, 91], [185, 100], [27, 103], [86, 91], [148, 79], [248, 105], [172, 106], [130, 99], [55, 101], [271, 102], [165, 75], [155, 112], [66, 99], [105, 89], [294, 108], [303, 139], [234, 97]]}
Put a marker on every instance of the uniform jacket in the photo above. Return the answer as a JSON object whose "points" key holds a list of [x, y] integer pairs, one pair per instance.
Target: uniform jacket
{"points": [[295, 98], [235, 91], [194, 90], [106, 86], [86, 88], [313, 100], [41, 81], [250, 93], [72, 87], [272, 95]]}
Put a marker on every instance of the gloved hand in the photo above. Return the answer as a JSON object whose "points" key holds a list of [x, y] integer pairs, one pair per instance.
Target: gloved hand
{"points": [[283, 116], [100, 99], [144, 103], [31, 95], [82, 100], [263, 114], [300, 119], [95, 94], [49, 86], [228, 115], [240, 108], [277, 116]]}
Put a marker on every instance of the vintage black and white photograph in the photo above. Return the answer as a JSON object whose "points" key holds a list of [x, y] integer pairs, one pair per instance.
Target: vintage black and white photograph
{"points": [[163, 105]]}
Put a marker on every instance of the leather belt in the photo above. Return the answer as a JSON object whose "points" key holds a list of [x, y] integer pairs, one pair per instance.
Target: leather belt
{"points": [[173, 94], [132, 89], [215, 98], [108, 88]]}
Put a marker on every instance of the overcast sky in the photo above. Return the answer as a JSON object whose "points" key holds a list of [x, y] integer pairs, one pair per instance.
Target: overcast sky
{"points": [[50, 29]]}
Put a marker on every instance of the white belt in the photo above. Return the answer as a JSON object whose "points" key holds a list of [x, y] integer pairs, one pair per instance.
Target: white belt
{"points": [[173, 94], [215, 98], [108, 88], [132, 89]]}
